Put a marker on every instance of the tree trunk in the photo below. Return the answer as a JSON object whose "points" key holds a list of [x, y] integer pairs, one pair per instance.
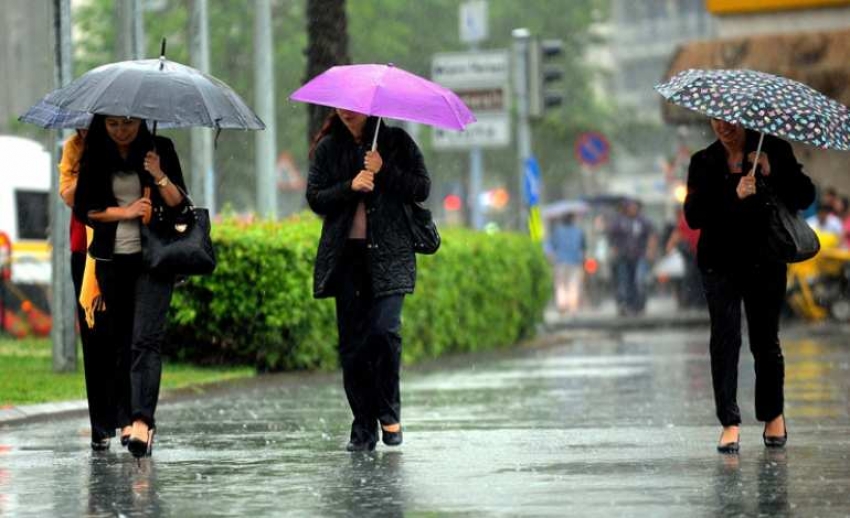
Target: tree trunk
{"points": [[327, 45]]}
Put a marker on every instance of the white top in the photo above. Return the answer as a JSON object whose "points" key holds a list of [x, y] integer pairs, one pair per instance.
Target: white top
{"points": [[127, 189]]}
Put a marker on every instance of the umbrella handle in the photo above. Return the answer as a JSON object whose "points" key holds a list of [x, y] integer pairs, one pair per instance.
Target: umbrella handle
{"points": [[758, 154], [153, 137], [375, 137]]}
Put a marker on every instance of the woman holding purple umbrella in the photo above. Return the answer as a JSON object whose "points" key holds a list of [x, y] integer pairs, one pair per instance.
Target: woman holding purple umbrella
{"points": [[727, 204], [365, 259]]}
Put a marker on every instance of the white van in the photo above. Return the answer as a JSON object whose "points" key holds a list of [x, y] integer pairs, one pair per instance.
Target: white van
{"points": [[25, 178]]}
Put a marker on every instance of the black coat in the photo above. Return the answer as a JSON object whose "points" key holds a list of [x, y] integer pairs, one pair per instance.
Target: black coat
{"points": [[403, 178], [94, 188], [733, 231]]}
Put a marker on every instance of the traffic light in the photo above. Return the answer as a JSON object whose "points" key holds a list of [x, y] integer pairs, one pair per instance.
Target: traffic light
{"points": [[543, 71]]}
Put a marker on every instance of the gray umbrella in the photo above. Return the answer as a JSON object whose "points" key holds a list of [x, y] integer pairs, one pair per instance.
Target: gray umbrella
{"points": [[48, 116], [158, 90]]}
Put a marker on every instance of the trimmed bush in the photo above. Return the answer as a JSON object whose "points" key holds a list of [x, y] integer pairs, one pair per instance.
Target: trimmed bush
{"points": [[478, 292]]}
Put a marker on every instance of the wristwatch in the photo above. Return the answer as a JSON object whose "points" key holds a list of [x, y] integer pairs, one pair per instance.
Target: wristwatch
{"points": [[163, 182]]}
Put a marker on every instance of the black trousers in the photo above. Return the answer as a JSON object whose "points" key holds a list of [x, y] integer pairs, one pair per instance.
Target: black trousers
{"points": [[137, 305], [762, 290], [98, 363], [369, 345]]}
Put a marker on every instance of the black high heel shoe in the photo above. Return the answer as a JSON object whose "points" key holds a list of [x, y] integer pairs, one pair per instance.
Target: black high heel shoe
{"points": [[391, 438], [355, 446], [771, 441], [140, 448], [730, 447], [100, 445]]}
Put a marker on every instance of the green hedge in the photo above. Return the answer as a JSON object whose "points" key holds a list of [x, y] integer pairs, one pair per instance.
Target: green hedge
{"points": [[479, 291]]}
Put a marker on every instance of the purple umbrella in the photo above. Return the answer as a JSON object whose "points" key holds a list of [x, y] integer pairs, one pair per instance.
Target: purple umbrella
{"points": [[386, 91]]}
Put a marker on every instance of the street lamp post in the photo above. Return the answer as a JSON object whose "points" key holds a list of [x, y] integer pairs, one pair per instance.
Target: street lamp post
{"points": [[521, 39]]}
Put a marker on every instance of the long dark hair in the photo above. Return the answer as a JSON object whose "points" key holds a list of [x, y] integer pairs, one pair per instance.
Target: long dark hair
{"points": [[101, 155], [333, 125]]}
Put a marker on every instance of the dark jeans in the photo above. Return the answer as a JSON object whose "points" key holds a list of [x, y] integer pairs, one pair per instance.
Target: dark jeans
{"points": [[631, 296], [762, 289], [98, 363], [137, 306], [369, 345]]}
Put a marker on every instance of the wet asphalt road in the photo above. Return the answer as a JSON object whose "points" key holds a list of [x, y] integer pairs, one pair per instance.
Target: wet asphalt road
{"points": [[602, 425]]}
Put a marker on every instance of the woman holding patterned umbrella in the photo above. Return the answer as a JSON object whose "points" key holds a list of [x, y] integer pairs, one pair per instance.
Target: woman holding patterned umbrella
{"points": [[726, 204], [739, 188]]}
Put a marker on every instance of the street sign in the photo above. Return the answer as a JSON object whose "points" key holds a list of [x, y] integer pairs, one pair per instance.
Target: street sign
{"points": [[592, 149], [473, 21], [480, 79], [477, 68], [488, 131]]}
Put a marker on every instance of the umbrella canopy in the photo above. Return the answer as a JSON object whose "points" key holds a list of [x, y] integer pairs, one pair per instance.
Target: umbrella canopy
{"points": [[386, 91], [563, 207], [762, 102], [157, 90], [48, 116]]}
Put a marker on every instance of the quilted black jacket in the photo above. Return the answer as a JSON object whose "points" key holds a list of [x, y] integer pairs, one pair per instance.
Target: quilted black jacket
{"points": [[336, 161], [734, 231]]}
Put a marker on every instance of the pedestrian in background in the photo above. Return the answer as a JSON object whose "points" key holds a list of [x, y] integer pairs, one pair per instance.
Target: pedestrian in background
{"points": [[122, 161], [826, 221], [633, 242], [726, 204], [97, 369], [684, 239], [365, 259], [567, 245]]}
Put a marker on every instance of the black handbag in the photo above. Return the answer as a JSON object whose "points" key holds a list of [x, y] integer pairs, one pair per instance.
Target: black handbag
{"points": [[789, 238], [179, 244], [426, 238]]}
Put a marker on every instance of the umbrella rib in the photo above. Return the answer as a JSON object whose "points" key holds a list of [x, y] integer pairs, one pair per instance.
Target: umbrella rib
{"points": [[442, 91]]}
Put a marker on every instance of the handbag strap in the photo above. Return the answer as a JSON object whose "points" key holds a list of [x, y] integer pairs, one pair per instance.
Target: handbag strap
{"points": [[185, 195]]}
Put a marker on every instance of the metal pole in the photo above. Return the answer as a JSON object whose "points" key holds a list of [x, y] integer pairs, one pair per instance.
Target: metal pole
{"points": [[203, 175], [476, 173], [63, 303], [264, 92], [521, 44], [138, 30]]}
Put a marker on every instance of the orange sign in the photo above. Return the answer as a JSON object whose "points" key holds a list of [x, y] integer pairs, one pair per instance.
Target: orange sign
{"points": [[752, 6]]}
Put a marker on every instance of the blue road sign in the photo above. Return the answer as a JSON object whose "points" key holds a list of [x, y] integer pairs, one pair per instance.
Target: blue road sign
{"points": [[592, 149]]}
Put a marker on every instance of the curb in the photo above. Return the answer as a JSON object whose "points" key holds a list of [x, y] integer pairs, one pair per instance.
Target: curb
{"points": [[629, 323]]}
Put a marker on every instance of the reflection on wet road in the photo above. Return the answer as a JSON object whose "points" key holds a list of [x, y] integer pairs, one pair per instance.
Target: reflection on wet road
{"points": [[596, 427]]}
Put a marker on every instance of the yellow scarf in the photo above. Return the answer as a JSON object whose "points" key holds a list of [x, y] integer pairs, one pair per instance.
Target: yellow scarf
{"points": [[90, 297]]}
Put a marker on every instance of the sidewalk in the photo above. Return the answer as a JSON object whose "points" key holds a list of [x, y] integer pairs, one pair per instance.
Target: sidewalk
{"points": [[660, 311]]}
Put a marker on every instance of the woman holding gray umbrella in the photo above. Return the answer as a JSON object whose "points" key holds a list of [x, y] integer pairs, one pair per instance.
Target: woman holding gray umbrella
{"points": [[726, 203], [126, 174], [365, 259]]}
